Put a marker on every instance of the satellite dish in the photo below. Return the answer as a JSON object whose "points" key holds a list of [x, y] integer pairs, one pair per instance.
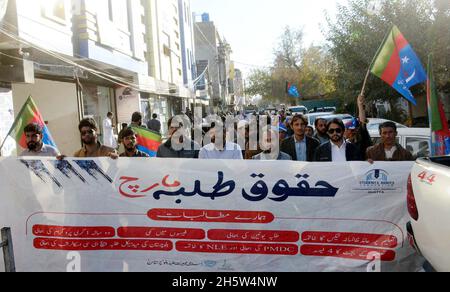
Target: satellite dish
{"points": [[3, 6]]}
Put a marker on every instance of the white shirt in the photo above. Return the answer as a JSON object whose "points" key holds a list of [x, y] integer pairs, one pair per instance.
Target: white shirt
{"points": [[46, 151], [339, 154], [232, 152], [390, 153], [108, 134]]}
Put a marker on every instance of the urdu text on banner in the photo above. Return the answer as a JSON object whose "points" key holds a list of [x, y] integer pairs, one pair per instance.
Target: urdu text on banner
{"points": [[206, 216]]}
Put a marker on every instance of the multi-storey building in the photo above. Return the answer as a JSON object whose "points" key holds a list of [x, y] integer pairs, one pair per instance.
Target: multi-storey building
{"points": [[29, 30], [83, 58], [210, 47]]}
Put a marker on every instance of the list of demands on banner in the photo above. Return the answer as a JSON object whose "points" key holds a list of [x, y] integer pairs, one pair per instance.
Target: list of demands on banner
{"points": [[203, 216]]}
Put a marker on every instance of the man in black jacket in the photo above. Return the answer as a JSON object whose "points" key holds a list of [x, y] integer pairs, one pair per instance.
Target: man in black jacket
{"points": [[337, 149], [178, 145], [299, 146]]}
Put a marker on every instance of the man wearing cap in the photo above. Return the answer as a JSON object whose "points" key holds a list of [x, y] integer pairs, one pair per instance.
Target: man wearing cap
{"points": [[283, 132], [356, 130], [309, 131]]}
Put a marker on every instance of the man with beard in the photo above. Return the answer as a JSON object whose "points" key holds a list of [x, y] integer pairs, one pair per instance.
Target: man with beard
{"points": [[300, 147], [33, 136], [309, 131], [356, 130], [321, 130], [337, 149], [130, 145], [220, 148], [271, 147], [178, 145], [91, 145], [388, 149], [136, 120]]}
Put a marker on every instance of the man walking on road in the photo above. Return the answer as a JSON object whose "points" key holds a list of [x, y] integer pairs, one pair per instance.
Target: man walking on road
{"points": [[108, 131], [154, 124]]}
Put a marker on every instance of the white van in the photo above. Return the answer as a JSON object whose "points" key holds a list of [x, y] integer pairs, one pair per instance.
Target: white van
{"points": [[298, 110]]}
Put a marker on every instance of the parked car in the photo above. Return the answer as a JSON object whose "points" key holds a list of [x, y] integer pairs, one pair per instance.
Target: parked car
{"points": [[344, 117], [416, 140], [323, 110], [271, 109], [429, 207], [298, 110], [374, 124], [313, 117]]}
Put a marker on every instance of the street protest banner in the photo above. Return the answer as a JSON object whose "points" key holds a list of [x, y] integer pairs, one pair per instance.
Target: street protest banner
{"points": [[206, 216]]}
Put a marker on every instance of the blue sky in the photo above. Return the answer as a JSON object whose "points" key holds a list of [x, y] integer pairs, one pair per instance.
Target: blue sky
{"points": [[253, 27]]}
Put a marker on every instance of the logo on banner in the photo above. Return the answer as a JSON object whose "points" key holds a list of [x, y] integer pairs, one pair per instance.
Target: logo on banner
{"points": [[376, 181]]}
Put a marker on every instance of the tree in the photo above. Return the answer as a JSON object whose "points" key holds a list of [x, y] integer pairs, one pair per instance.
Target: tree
{"points": [[358, 32], [317, 76], [290, 49], [260, 83], [311, 69]]}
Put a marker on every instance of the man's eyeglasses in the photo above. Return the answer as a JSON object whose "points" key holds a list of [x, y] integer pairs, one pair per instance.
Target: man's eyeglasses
{"points": [[332, 131]]}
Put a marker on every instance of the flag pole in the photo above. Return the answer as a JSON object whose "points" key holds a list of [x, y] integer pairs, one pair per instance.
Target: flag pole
{"points": [[373, 61], [365, 81], [15, 121], [3, 143]]}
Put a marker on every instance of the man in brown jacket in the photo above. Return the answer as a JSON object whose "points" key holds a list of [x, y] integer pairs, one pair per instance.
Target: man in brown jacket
{"points": [[388, 149], [91, 146]]}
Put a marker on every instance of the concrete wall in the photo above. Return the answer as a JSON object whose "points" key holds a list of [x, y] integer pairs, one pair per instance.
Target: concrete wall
{"points": [[118, 41], [57, 102], [41, 28]]}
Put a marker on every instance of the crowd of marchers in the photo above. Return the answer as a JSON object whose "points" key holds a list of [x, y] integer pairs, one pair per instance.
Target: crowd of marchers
{"points": [[260, 138]]}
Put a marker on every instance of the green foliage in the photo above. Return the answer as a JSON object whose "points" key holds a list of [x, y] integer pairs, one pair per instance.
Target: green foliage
{"points": [[311, 69], [260, 83], [354, 37], [358, 32]]}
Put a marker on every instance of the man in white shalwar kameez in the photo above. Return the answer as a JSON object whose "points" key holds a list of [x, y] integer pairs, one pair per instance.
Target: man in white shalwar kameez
{"points": [[108, 132]]}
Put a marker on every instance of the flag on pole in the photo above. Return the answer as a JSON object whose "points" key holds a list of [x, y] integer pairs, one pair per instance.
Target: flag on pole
{"points": [[148, 141], [27, 115], [397, 64], [440, 133], [292, 90]]}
